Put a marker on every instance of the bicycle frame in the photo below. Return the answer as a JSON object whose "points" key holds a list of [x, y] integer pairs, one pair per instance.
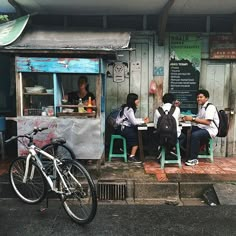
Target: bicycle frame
{"points": [[33, 154]]}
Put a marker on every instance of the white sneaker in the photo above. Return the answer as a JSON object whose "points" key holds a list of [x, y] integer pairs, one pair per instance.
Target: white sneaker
{"points": [[192, 162]]}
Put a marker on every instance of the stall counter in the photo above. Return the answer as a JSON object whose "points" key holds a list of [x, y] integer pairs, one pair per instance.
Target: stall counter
{"points": [[82, 135]]}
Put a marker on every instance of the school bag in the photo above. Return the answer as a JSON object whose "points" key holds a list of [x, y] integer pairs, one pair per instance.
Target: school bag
{"points": [[223, 122], [114, 120], [167, 128], [111, 118]]}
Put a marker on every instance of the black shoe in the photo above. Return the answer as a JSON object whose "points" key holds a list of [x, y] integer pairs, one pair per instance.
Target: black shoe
{"points": [[133, 160]]}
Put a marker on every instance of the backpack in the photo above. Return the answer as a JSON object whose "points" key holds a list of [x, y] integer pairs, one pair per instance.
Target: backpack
{"points": [[223, 122], [111, 118], [167, 128]]}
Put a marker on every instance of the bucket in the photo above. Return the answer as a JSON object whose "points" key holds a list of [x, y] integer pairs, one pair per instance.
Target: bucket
{"points": [[2, 124]]}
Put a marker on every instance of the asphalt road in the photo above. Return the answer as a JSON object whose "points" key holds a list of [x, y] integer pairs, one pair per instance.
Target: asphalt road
{"points": [[17, 218]]}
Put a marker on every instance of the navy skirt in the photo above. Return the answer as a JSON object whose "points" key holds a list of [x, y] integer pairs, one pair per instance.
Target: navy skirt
{"points": [[130, 134]]}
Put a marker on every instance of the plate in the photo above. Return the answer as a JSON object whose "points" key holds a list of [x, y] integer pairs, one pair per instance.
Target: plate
{"points": [[67, 110]]}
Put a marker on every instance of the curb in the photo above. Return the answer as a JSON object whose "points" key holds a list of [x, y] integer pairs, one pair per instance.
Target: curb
{"points": [[134, 191]]}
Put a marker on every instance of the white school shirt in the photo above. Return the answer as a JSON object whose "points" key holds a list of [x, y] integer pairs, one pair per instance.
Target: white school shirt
{"points": [[176, 115], [209, 114]]}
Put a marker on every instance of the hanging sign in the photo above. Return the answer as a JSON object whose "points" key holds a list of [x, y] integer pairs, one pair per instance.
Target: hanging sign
{"points": [[222, 47], [11, 30]]}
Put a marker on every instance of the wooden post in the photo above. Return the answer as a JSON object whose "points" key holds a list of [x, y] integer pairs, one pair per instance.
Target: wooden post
{"points": [[98, 94], [162, 21]]}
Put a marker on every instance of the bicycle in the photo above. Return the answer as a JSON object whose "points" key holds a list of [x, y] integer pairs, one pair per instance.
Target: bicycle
{"points": [[69, 179]]}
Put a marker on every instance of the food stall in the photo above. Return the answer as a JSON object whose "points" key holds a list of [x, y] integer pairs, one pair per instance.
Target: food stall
{"points": [[41, 83]]}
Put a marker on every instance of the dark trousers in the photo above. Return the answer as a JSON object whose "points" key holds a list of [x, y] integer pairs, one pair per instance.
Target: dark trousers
{"points": [[198, 136]]}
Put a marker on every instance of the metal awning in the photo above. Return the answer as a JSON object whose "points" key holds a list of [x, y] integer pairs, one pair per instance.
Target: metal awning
{"points": [[65, 39], [11, 30]]}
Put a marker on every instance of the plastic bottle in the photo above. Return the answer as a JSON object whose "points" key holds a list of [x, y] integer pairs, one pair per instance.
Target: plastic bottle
{"points": [[89, 109], [81, 106]]}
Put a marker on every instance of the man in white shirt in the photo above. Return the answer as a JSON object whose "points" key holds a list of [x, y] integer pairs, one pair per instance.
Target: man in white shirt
{"points": [[205, 125], [168, 101]]}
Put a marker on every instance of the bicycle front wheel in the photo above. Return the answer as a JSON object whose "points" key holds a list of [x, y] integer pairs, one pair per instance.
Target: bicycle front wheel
{"points": [[80, 202], [33, 189]]}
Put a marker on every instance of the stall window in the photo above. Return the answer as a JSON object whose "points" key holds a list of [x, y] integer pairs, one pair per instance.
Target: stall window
{"points": [[38, 93]]}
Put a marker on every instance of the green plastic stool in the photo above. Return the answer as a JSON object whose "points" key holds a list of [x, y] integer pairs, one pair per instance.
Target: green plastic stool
{"points": [[111, 154], [163, 157], [210, 153]]}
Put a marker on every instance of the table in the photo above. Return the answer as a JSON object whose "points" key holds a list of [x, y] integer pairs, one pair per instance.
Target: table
{"points": [[143, 127]]}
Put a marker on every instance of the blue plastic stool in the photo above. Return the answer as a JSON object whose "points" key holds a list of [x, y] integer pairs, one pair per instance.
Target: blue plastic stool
{"points": [[163, 157], [208, 154], [119, 155]]}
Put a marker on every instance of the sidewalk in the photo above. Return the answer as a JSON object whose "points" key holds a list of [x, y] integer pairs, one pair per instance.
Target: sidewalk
{"points": [[221, 170], [148, 181]]}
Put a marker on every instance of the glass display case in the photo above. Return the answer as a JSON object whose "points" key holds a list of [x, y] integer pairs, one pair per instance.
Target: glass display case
{"points": [[38, 94], [41, 85]]}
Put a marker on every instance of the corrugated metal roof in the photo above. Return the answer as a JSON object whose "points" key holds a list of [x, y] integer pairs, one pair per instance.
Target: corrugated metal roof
{"points": [[51, 39]]}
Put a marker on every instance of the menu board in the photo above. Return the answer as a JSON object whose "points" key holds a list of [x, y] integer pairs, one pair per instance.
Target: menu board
{"points": [[184, 70]]}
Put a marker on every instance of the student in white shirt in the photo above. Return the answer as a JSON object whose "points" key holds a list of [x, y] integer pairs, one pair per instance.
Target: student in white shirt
{"points": [[128, 124], [168, 101], [205, 125]]}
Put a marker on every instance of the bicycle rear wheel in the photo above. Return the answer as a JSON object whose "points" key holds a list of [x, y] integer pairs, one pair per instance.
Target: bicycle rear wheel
{"points": [[57, 150], [81, 203], [34, 189]]}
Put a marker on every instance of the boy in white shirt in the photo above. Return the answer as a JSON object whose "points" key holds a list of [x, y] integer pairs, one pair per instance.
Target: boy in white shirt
{"points": [[205, 125]]}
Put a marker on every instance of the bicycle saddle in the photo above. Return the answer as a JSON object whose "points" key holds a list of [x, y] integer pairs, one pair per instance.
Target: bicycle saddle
{"points": [[58, 140]]}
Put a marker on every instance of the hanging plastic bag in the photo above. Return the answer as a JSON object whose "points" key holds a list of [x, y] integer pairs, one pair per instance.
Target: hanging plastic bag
{"points": [[153, 87]]}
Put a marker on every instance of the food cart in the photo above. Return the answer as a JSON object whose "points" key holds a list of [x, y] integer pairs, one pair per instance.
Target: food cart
{"points": [[41, 83]]}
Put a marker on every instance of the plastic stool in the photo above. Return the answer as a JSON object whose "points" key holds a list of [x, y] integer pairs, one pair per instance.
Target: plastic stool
{"points": [[163, 157], [111, 154], [209, 150]]}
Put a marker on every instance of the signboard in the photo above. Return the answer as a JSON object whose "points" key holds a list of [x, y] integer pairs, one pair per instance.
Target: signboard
{"points": [[11, 30], [222, 47], [184, 69]]}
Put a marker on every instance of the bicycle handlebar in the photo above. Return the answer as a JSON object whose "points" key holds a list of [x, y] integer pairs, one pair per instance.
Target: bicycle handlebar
{"points": [[27, 135]]}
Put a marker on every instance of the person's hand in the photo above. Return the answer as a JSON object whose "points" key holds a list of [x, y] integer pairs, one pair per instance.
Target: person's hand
{"points": [[177, 103], [187, 118], [146, 120]]}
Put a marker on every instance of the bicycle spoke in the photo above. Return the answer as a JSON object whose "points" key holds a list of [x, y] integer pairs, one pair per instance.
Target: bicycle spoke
{"points": [[81, 203], [34, 189]]}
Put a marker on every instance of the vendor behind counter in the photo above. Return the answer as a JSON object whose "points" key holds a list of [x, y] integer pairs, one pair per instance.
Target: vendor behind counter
{"points": [[83, 93]]}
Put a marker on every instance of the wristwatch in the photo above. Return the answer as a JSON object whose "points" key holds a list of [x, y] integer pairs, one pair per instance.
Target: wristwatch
{"points": [[193, 119]]}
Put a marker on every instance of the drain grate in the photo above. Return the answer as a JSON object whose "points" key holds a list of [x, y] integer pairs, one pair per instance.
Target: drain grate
{"points": [[111, 191]]}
